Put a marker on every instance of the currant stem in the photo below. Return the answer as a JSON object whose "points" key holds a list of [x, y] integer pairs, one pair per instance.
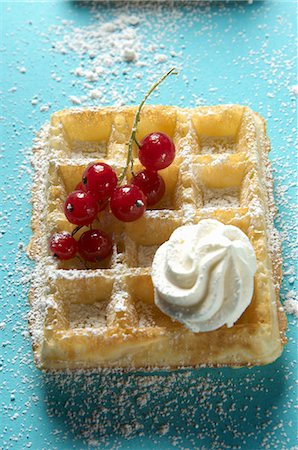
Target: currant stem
{"points": [[132, 139], [82, 261], [137, 142], [76, 229]]}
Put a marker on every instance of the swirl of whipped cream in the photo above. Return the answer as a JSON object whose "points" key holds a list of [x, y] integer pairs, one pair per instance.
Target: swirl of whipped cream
{"points": [[203, 276]]}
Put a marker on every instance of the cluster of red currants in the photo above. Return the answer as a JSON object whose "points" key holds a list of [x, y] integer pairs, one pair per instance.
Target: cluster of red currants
{"points": [[98, 188]]}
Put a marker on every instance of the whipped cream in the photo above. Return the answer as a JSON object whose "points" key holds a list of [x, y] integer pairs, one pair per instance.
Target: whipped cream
{"points": [[203, 276]]}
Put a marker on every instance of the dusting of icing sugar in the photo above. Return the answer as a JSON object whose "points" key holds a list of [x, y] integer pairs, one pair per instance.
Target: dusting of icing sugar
{"points": [[119, 301], [104, 44], [75, 100], [98, 148], [186, 148], [211, 145], [294, 89], [189, 213], [146, 255], [291, 303], [145, 314], [221, 198], [220, 159], [92, 316]]}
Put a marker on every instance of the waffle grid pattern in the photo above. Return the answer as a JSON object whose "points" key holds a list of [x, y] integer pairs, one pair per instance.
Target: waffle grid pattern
{"points": [[104, 315]]}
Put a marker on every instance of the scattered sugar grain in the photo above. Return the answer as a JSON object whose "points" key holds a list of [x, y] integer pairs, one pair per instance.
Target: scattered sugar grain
{"points": [[44, 108], [291, 303], [294, 89], [160, 58], [75, 100], [129, 55], [95, 94]]}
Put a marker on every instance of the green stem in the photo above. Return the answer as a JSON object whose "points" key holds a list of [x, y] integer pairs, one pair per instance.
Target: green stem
{"points": [[132, 139]]}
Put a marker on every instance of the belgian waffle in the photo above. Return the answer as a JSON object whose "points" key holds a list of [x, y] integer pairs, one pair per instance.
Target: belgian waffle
{"points": [[103, 314]]}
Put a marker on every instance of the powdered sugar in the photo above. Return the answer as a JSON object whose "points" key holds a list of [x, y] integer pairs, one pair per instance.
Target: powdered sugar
{"points": [[89, 316], [294, 89], [145, 313], [221, 198], [211, 145], [104, 44], [291, 303], [146, 255], [99, 149]]}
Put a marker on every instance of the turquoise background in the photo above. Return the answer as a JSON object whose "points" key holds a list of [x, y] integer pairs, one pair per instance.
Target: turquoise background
{"points": [[227, 53]]}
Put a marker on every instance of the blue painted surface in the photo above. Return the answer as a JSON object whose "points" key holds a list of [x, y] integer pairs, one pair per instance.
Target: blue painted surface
{"points": [[227, 53]]}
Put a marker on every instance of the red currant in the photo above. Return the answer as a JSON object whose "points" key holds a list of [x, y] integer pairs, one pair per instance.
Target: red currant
{"points": [[102, 204], [100, 180], [63, 245], [95, 245], [80, 187], [151, 184], [128, 203], [80, 208], [157, 151]]}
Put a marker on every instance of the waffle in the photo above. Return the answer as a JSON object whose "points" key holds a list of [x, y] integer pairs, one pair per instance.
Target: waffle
{"points": [[103, 315]]}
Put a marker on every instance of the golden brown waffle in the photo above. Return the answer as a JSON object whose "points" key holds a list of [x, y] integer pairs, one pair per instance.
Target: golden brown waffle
{"points": [[104, 315]]}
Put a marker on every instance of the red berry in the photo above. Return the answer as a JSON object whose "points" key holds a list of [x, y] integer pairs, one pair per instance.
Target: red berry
{"points": [[80, 208], [80, 187], [157, 151], [102, 204], [152, 185], [63, 245], [128, 203], [100, 180], [95, 245]]}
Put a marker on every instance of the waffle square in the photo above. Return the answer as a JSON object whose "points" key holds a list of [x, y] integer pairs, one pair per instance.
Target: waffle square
{"points": [[103, 315]]}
